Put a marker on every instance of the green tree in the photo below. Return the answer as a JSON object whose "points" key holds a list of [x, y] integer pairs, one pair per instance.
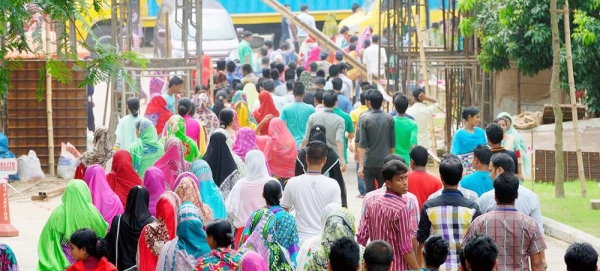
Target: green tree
{"points": [[14, 18]]}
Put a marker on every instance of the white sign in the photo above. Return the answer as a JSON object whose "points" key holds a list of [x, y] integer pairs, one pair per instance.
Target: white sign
{"points": [[8, 166]]}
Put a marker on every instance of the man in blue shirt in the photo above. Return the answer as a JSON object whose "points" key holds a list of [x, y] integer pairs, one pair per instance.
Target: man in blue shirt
{"points": [[296, 114], [479, 181], [343, 102], [175, 85]]}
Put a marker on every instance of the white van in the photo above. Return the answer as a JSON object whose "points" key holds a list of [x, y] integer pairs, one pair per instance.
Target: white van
{"points": [[219, 37]]}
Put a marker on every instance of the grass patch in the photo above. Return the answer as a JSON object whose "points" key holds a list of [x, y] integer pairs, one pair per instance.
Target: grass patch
{"points": [[573, 210]]}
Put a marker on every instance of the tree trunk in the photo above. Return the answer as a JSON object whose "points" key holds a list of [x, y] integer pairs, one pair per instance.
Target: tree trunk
{"points": [[559, 174]]}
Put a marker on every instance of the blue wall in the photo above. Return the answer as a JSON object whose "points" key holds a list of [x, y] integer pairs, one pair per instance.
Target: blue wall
{"points": [[258, 6]]}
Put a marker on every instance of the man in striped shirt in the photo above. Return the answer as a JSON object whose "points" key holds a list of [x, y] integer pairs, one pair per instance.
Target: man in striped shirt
{"points": [[388, 218], [517, 235]]}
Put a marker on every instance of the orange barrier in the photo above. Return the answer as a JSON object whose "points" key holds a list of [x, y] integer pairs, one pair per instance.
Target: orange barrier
{"points": [[6, 229]]}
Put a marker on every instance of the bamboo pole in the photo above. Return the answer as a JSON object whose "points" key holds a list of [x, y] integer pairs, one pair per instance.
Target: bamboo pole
{"points": [[580, 171], [199, 34], [425, 74], [49, 104]]}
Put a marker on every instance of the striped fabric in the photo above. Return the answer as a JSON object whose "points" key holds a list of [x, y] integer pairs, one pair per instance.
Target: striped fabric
{"points": [[388, 219], [412, 203], [516, 235]]}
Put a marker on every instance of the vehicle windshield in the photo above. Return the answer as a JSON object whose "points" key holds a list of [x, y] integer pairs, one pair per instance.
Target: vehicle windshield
{"points": [[224, 31], [369, 5]]}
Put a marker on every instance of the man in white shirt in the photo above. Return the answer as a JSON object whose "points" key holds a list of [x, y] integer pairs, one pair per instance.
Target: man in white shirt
{"points": [[422, 115], [306, 19], [375, 59], [347, 82], [335, 72], [309, 193]]}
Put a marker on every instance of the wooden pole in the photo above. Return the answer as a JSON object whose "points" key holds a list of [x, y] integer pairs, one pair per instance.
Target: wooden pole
{"points": [[49, 103], [199, 52], [518, 92], [580, 171]]}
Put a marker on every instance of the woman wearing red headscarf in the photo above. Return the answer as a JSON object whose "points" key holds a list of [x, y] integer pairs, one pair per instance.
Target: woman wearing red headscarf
{"points": [[279, 148], [158, 112], [267, 107], [123, 177]]}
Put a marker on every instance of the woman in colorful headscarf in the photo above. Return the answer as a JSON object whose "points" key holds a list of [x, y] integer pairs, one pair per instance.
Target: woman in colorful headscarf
{"points": [[76, 211], [209, 120], [221, 257], [365, 35], [147, 149], [245, 141], [518, 144], [176, 128], [8, 261], [240, 207], [332, 165], [154, 181], [157, 233], [105, 200], [172, 163], [314, 55], [193, 128], [253, 261], [209, 191], [267, 107], [261, 232], [338, 225], [330, 28], [158, 112], [123, 177], [182, 253], [311, 245], [187, 189], [240, 104], [251, 95], [100, 155], [125, 229], [219, 158], [280, 149]]}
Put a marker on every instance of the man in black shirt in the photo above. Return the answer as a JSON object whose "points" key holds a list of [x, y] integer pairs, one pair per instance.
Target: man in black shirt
{"points": [[495, 134]]}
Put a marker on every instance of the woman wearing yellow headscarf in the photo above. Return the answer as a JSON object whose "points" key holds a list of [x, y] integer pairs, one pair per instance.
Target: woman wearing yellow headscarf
{"points": [[245, 119], [330, 28]]}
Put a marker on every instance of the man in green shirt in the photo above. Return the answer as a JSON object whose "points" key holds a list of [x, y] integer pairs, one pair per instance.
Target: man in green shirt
{"points": [[348, 128], [245, 50], [405, 129]]}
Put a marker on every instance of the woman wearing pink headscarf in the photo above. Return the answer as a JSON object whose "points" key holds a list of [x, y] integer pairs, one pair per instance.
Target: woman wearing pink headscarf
{"points": [[105, 200], [245, 141], [280, 150], [154, 181], [366, 35], [172, 162]]}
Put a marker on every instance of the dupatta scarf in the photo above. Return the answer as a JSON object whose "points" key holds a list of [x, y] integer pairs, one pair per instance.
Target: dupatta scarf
{"points": [[158, 112], [102, 151], [105, 200], [123, 177], [205, 115], [187, 190], [279, 146], [240, 105], [267, 107], [176, 128], [251, 94], [172, 163], [75, 212], [219, 158], [245, 141], [209, 191], [147, 149], [154, 181], [182, 253]]}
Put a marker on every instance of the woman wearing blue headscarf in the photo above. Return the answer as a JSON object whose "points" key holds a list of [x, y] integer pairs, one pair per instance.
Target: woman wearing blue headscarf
{"points": [[209, 191], [182, 253]]}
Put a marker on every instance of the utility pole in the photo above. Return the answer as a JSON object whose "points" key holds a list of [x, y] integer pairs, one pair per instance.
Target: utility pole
{"points": [[199, 52]]}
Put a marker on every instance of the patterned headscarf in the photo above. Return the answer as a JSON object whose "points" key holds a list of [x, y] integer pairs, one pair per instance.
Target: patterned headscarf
{"points": [[172, 163], [187, 190], [102, 149], [245, 141], [176, 128], [205, 115], [240, 104], [209, 191]]}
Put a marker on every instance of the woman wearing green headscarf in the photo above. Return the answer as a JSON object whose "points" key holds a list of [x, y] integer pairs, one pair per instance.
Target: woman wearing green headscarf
{"points": [[76, 212], [339, 224], [518, 144], [176, 128], [146, 150], [330, 28]]}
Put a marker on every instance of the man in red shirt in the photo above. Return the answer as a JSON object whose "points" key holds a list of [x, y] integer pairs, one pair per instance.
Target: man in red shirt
{"points": [[421, 183]]}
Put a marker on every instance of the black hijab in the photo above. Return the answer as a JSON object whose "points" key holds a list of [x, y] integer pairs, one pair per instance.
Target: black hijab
{"points": [[332, 166], [272, 192], [132, 222], [219, 158]]}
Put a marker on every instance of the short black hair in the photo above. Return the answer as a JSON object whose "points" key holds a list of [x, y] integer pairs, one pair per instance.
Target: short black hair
{"points": [[299, 71], [451, 170], [506, 187], [394, 157], [284, 46], [220, 230], [416, 93], [263, 51], [401, 103], [352, 47], [419, 155], [247, 34], [292, 65], [298, 89], [274, 74], [581, 257], [378, 256], [265, 60], [343, 66], [247, 68], [494, 133], [393, 168], [320, 73], [367, 43], [280, 67], [334, 70], [319, 95], [362, 99], [504, 161], [339, 56], [231, 66], [355, 7], [289, 84], [313, 66], [316, 152], [175, 80], [375, 38], [272, 65], [435, 251], [269, 44], [329, 98], [289, 74], [480, 252], [337, 84], [483, 154], [266, 73], [221, 64], [303, 7], [470, 111], [344, 255], [268, 85], [353, 38], [376, 99]]}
